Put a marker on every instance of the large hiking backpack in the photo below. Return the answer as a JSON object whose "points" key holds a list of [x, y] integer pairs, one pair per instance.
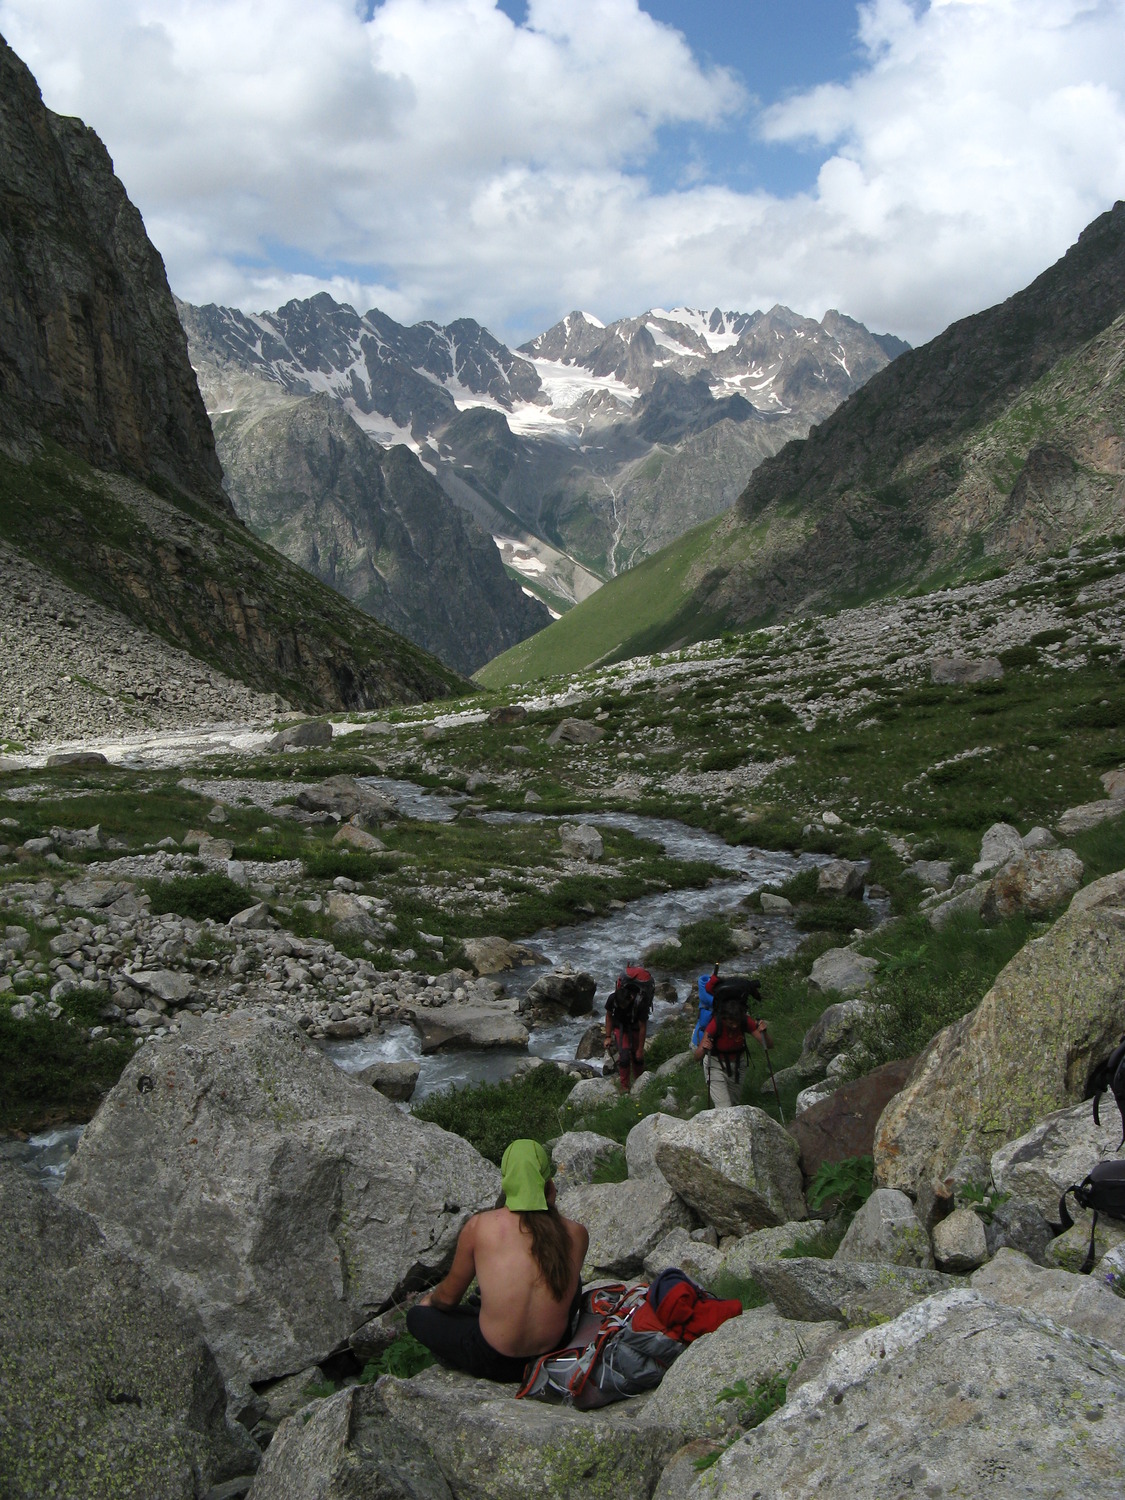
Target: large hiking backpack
{"points": [[731, 1003], [632, 997], [1103, 1191], [622, 1345], [1110, 1075]]}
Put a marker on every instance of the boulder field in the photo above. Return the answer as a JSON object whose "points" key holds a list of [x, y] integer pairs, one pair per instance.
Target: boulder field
{"points": [[254, 1219]]}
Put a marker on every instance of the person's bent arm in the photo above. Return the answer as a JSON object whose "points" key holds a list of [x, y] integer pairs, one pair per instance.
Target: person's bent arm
{"points": [[449, 1291], [642, 1032], [761, 1031]]}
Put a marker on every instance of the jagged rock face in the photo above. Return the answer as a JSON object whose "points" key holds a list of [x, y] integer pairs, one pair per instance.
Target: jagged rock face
{"points": [[91, 353], [510, 435], [1004, 430], [375, 526]]}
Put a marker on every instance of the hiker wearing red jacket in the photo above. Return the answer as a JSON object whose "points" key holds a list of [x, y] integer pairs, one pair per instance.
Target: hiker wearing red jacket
{"points": [[626, 1022]]}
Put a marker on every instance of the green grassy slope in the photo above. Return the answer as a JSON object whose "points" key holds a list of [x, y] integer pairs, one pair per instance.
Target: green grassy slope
{"points": [[646, 603]]}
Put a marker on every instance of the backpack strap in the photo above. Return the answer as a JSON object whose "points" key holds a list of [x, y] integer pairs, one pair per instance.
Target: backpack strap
{"points": [[1088, 1264]]}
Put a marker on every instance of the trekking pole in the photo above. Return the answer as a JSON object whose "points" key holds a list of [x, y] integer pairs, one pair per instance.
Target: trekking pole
{"points": [[773, 1080]]}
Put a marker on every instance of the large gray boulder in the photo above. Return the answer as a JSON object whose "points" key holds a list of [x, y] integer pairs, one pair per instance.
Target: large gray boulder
{"points": [[957, 670], [312, 733], [1079, 1302], [886, 1228], [842, 971], [444, 1434], [1108, 891], [960, 1242], [852, 1292], [642, 1141], [281, 1199], [563, 991], [626, 1220], [453, 1027], [575, 732], [108, 1385], [768, 1244], [753, 1347], [1027, 1050], [345, 797], [956, 1396], [581, 841], [738, 1168], [701, 1260], [1088, 815], [840, 877], [493, 955], [577, 1155], [1041, 1164], [1036, 884], [1000, 844], [835, 1030]]}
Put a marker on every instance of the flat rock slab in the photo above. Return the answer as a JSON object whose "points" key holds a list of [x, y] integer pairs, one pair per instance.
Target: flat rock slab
{"points": [[956, 1396], [1026, 1051], [1088, 815], [492, 955], [443, 1434], [755, 1347], [1079, 1302], [886, 1228], [455, 1026], [626, 1221], [280, 1198], [849, 1292], [170, 985], [104, 1374]]}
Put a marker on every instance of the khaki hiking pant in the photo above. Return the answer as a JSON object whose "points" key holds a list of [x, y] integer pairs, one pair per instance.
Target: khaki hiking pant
{"points": [[725, 1090]]}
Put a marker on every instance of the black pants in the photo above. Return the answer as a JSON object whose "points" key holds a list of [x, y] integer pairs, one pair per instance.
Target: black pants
{"points": [[456, 1339]]}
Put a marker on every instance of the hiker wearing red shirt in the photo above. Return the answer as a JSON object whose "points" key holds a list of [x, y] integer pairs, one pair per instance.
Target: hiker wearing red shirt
{"points": [[722, 1044]]}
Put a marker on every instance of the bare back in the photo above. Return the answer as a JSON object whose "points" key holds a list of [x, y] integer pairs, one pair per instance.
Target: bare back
{"points": [[518, 1314]]}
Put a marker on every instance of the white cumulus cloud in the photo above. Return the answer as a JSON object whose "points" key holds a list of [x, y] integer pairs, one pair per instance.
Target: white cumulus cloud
{"points": [[436, 159]]}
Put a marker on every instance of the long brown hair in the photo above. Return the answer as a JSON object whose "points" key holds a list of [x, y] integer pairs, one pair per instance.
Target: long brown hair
{"points": [[550, 1248]]}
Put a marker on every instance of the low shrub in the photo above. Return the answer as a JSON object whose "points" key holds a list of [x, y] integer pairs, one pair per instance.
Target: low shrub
{"points": [[490, 1115], [199, 896], [49, 1069]]}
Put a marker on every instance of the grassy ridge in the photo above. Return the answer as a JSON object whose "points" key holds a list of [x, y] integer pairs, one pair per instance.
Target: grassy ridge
{"points": [[644, 602]]}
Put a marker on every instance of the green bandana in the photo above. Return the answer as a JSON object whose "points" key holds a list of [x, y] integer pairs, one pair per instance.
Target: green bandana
{"points": [[525, 1171]]}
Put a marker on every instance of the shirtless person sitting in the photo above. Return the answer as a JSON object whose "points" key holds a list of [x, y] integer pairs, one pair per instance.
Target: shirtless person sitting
{"points": [[527, 1260]]}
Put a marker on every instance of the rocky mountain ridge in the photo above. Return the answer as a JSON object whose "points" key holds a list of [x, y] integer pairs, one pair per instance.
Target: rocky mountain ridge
{"points": [[559, 448], [109, 479]]}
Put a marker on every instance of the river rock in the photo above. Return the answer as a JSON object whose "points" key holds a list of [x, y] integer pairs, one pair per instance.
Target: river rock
{"points": [[108, 1384], [957, 670], [1036, 883], [1000, 844], [736, 1167], [575, 732], [625, 1219], [840, 877], [581, 841], [1040, 1165], [752, 1348], [957, 1396], [577, 1155], [960, 1243], [680, 1249], [489, 1446], [276, 1195], [591, 1044], [345, 797], [394, 1080], [492, 955], [851, 1292], [642, 1141], [842, 971], [314, 732], [1079, 1302], [457, 1026], [563, 990], [844, 1124], [1027, 1050], [771, 902], [886, 1228]]}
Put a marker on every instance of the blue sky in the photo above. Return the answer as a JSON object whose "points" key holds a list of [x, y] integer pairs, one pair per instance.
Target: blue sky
{"points": [[905, 161]]}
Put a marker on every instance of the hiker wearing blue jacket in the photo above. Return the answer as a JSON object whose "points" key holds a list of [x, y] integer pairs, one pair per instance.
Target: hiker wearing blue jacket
{"points": [[719, 1039]]}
